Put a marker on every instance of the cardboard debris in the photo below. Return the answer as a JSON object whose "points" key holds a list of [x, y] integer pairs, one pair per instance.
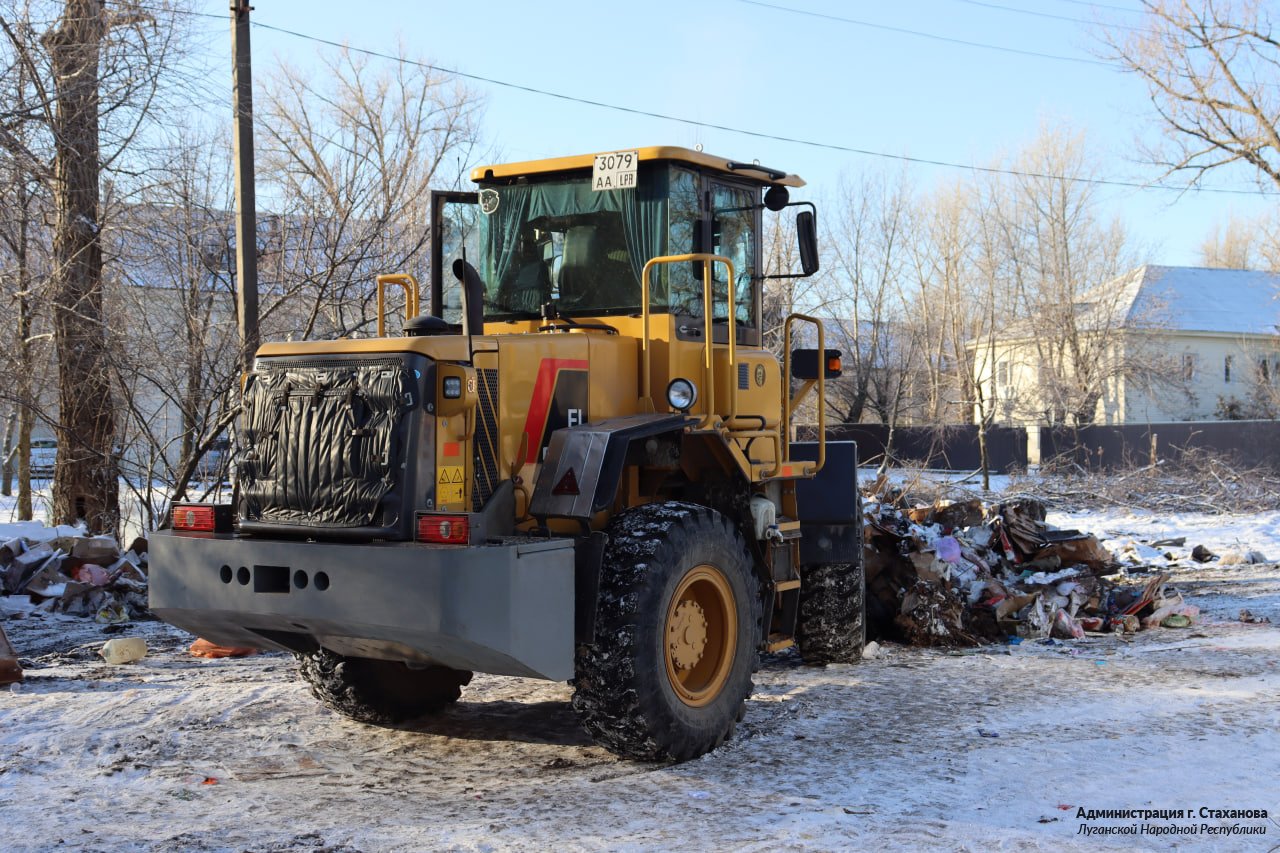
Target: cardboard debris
{"points": [[10, 669], [76, 575], [959, 574]]}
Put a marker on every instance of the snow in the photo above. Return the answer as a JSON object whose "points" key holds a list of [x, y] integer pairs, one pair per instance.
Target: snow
{"points": [[1190, 299], [977, 749]]}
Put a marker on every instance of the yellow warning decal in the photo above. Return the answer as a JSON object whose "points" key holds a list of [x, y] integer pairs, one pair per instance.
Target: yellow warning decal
{"points": [[449, 485]]}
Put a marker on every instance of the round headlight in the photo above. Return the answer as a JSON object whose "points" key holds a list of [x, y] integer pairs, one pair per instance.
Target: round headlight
{"points": [[682, 394]]}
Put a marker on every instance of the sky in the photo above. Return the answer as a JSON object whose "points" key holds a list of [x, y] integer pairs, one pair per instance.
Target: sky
{"points": [[901, 83]]}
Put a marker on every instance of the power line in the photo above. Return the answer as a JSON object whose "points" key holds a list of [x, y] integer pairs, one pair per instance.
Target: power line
{"points": [[1090, 5], [933, 36], [808, 143], [1036, 14]]}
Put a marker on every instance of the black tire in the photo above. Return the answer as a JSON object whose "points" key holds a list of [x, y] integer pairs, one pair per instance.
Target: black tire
{"points": [[639, 695], [380, 692], [832, 625]]}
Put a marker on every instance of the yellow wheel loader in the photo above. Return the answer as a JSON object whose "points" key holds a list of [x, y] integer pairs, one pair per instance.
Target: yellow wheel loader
{"points": [[575, 465]]}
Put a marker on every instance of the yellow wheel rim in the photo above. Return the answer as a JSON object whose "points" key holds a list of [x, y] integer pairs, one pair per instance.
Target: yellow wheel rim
{"points": [[700, 637]]}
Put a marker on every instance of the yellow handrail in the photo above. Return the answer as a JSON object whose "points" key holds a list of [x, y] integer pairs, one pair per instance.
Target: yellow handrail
{"points": [[707, 304], [410, 285], [789, 402]]}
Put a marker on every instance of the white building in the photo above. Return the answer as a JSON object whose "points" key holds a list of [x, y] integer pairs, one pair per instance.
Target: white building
{"points": [[1180, 344]]}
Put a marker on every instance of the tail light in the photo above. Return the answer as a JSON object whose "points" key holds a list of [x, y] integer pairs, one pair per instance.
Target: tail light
{"points": [[202, 518], [444, 529]]}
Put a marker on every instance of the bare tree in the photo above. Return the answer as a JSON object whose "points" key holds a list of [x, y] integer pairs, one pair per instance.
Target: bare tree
{"points": [[351, 156], [1055, 253], [175, 309], [1232, 245], [1210, 70], [867, 276], [24, 250], [94, 74]]}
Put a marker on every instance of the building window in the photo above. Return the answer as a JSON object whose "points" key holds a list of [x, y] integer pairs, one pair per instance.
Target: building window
{"points": [[1188, 366], [1226, 369], [1264, 371], [1002, 373]]}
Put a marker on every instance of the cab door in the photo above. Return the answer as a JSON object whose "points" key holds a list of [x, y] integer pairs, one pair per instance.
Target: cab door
{"points": [[735, 233], [455, 234]]}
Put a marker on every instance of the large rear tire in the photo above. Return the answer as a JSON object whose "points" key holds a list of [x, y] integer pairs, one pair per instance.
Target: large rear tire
{"points": [[677, 626], [832, 625], [380, 692]]}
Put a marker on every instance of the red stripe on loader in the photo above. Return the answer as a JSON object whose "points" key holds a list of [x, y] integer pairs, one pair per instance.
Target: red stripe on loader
{"points": [[540, 403]]}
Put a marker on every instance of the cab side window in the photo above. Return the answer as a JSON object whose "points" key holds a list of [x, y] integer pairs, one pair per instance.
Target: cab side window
{"points": [[685, 238], [734, 236]]}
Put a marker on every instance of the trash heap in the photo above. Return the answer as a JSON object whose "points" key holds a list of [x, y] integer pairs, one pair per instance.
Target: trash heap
{"points": [[964, 573], [77, 575]]}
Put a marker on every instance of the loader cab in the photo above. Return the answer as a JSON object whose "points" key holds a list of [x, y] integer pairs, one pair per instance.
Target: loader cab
{"points": [[549, 241]]}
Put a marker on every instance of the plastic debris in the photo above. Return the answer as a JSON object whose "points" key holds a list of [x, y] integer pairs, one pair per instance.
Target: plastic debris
{"points": [[205, 649], [961, 574], [956, 574], [123, 650]]}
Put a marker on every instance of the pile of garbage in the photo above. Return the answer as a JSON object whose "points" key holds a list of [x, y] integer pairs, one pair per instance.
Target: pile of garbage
{"points": [[77, 575], [964, 573]]}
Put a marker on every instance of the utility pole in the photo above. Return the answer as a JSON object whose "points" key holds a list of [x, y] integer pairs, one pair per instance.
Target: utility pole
{"points": [[246, 204]]}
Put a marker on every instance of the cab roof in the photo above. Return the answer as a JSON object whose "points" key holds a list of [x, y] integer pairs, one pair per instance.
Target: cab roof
{"points": [[752, 171]]}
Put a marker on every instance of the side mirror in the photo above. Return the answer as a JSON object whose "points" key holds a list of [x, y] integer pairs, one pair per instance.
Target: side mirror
{"points": [[807, 236], [805, 363]]}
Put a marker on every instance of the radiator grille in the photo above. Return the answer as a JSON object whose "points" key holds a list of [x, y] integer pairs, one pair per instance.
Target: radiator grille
{"points": [[486, 439]]}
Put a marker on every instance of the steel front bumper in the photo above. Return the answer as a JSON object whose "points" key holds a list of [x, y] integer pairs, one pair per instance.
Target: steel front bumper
{"points": [[503, 608]]}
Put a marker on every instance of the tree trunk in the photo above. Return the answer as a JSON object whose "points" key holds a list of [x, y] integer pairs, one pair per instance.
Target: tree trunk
{"points": [[6, 468], [86, 475], [26, 370]]}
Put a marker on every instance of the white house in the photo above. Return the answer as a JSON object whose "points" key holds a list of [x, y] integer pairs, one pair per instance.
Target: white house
{"points": [[1166, 343]]}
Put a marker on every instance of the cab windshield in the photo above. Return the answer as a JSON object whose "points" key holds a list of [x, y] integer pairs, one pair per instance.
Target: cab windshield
{"points": [[561, 242]]}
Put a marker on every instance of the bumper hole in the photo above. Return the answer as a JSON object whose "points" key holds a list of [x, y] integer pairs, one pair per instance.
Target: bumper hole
{"points": [[225, 573], [322, 581], [300, 579], [242, 575]]}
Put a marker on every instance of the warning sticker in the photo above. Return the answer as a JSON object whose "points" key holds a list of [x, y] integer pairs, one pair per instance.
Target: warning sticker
{"points": [[449, 484]]}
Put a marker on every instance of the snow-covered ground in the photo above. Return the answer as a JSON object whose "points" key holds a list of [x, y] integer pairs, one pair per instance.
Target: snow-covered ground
{"points": [[991, 748]]}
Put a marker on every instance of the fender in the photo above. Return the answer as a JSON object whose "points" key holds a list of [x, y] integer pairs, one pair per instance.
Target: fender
{"points": [[584, 464], [829, 506]]}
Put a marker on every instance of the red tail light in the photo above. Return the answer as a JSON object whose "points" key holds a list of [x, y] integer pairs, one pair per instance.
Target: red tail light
{"points": [[195, 517], [444, 529]]}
